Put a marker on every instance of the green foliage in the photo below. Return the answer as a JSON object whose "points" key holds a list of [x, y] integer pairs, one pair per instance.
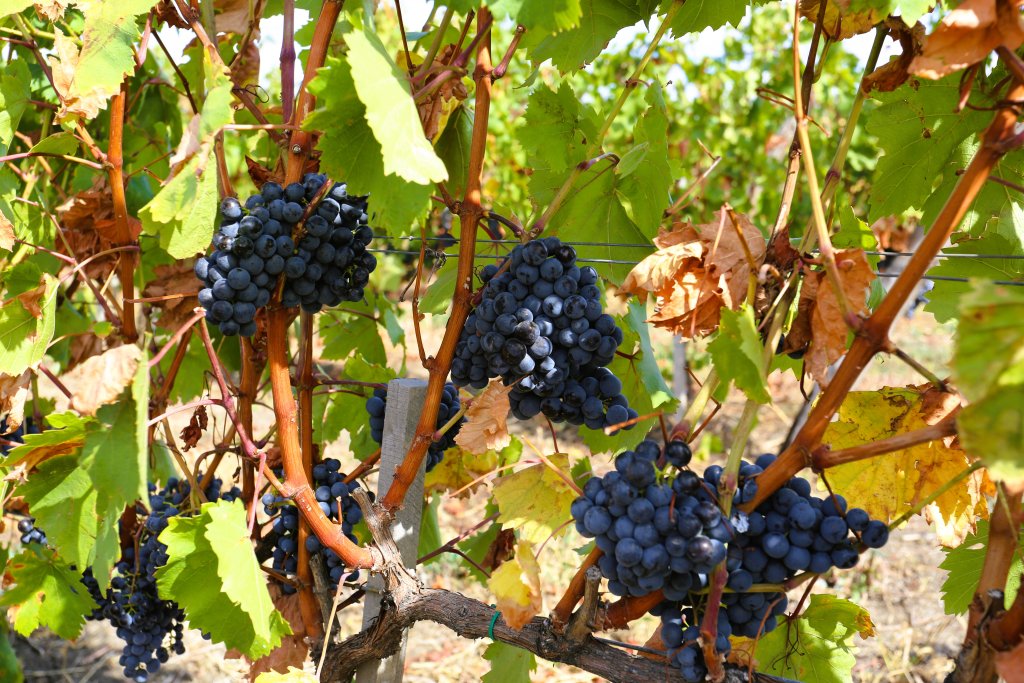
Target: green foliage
{"points": [[26, 327], [738, 354], [992, 426], [509, 664], [183, 211], [815, 646], [10, 667], [601, 20], [922, 141], [352, 153], [47, 593], [235, 608], [14, 94], [965, 563]]}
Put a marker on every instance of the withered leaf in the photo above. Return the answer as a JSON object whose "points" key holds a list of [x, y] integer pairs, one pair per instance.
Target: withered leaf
{"points": [[100, 379], [486, 425], [13, 393], [840, 21], [179, 283], [193, 431], [697, 270], [967, 35]]}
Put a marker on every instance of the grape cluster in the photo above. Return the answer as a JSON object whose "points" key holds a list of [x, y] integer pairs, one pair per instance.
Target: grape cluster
{"points": [[541, 328], [668, 533], [324, 262], [450, 405], [142, 619], [335, 500]]}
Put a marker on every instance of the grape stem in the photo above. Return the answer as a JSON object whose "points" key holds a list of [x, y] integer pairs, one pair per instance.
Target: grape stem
{"points": [[560, 614], [823, 458], [470, 211], [998, 138]]}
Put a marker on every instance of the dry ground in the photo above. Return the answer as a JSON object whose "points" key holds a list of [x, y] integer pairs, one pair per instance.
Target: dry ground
{"points": [[899, 585]]}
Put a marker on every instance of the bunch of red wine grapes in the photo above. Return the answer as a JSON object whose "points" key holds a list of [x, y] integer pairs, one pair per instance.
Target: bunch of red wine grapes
{"points": [[541, 328], [320, 250], [660, 527], [334, 497], [448, 408], [150, 626]]}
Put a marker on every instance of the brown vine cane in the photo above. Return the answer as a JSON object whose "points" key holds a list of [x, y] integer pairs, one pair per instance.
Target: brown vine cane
{"points": [[872, 336], [470, 213]]}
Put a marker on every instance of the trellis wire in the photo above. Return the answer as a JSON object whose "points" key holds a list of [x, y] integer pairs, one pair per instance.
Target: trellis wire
{"points": [[580, 259]]}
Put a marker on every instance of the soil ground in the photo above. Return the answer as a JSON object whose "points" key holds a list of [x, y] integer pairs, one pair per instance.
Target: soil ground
{"points": [[899, 585]]}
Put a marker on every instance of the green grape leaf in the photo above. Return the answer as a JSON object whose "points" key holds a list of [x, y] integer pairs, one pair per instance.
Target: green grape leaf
{"points": [[439, 294], [738, 355], [213, 574], [344, 333], [541, 16], [10, 667], [46, 592], [391, 112], [14, 95], [815, 647], [430, 530], [921, 138], [509, 664], [697, 15], [964, 564], [993, 429], [944, 301], [80, 520], [599, 22], [909, 10], [535, 500], [594, 214], [855, 234], [347, 412], [8, 7], [182, 213], [86, 79], [555, 134], [453, 148], [990, 339], [65, 437], [58, 143], [644, 176], [350, 152], [26, 326]]}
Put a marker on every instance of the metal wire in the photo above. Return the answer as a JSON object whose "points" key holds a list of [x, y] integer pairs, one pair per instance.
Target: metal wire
{"points": [[638, 245], [939, 278]]}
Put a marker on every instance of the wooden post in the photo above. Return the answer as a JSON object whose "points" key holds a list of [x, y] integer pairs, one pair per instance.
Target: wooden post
{"points": [[404, 405]]}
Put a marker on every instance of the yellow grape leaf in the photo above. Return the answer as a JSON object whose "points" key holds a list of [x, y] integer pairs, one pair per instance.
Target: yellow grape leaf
{"points": [[293, 676], [841, 21], [516, 587], [458, 468], [889, 485], [486, 426], [535, 500]]}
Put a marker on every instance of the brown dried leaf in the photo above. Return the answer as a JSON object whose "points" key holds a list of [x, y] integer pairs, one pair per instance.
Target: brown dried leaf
{"points": [[888, 77], [100, 379], [261, 174], [293, 650], [829, 329], [232, 16], [697, 270], [84, 346], [168, 14], [486, 426], [51, 10], [13, 393], [32, 300], [245, 70], [179, 281], [193, 431], [19, 469], [499, 550], [967, 35], [438, 106], [840, 22], [89, 227]]}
